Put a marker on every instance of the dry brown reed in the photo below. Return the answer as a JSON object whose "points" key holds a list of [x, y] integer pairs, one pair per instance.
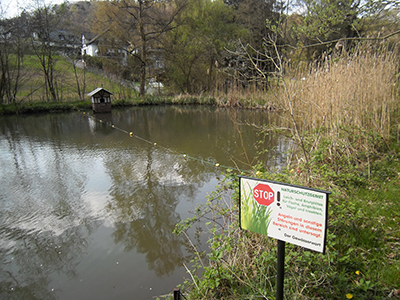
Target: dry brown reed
{"points": [[251, 96], [357, 89]]}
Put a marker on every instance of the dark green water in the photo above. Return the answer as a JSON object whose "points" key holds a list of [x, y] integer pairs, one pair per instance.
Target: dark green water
{"points": [[87, 212]]}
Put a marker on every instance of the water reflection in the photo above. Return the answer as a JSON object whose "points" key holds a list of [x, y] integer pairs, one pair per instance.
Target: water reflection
{"points": [[44, 222], [143, 203], [70, 184]]}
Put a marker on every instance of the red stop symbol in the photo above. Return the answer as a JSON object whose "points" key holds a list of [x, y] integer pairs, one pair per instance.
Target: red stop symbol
{"points": [[263, 194]]}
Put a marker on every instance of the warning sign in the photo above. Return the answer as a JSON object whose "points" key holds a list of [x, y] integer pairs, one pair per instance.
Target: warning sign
{"points": [[263, 194], [294, 214]]}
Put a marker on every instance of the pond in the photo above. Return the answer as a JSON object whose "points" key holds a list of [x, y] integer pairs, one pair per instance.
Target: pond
{"points": [[88, 204]]}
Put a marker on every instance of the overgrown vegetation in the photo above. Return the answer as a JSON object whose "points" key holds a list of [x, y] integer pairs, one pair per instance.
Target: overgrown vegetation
{"points": [[347, 141]]}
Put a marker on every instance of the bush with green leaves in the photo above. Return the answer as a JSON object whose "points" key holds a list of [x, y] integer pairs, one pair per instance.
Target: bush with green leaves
{"points": [[362, 259]]}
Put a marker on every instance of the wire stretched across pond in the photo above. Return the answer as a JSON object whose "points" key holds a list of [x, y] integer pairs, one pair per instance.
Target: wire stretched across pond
{"points": [[185, 156]]}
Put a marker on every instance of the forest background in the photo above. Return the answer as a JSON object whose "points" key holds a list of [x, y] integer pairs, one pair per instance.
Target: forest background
{"points": [[190, 47]]}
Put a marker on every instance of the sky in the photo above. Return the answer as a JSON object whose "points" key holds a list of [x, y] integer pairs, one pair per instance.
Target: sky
{"points": [[12, 8]]}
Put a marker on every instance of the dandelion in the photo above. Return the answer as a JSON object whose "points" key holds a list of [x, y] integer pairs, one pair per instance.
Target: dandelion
{"points": [[358, 272], [349, 296]]}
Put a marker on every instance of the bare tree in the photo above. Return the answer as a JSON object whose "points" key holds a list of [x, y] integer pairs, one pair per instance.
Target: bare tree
{"points": [[80, 82], [12, 49], [138, 26], [44, 22]]}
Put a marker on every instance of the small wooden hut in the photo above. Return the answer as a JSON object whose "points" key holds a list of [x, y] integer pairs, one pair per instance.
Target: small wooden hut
{"points": [[101, 100]]}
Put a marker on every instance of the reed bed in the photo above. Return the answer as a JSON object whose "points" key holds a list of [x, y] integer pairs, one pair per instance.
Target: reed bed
{"points": [[356, 89], [340, 110]]}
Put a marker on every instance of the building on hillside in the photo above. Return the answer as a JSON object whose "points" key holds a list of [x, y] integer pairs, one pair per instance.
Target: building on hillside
{"points": [[101, 46], [65, 42], [60, 40], [101, 100], [90, 45]]}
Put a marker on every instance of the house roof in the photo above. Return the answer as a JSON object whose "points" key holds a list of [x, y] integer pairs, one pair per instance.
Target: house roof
{"points": [[99, 90], [91, 39]]}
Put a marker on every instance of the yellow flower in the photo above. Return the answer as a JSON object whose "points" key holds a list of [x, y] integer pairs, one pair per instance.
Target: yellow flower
{"points": [[349, 296], [358, 272]]}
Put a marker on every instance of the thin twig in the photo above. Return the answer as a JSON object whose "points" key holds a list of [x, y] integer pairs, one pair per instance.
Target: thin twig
{"points": [[191, 275]]}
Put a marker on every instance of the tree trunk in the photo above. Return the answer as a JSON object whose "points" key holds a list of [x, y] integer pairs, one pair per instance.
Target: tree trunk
{"points": [[143, 71], [143, 55]]}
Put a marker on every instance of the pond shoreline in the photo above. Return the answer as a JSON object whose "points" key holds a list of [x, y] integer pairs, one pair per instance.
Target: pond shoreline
{"points": [[66, 106]]}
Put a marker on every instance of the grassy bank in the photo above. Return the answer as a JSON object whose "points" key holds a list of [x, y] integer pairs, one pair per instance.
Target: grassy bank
{"points": [[362, 260], [72, 88], [43, 107], [344, 121], [73, 105], [65, 106]]}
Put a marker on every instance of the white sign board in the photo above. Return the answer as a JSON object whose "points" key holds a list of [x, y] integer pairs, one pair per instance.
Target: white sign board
{"points": [[294, 214]]}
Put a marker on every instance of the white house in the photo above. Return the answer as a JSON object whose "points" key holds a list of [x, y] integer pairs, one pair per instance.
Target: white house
{"points": [[90, 46]]}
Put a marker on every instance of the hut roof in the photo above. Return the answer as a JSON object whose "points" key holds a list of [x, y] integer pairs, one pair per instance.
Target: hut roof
{"points": [[94, 92]]}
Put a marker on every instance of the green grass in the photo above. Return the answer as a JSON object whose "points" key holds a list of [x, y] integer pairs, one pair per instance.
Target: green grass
{"points": [[254, 217], [62, 106], [376, 232], [32, 87], [41, 107], [362, 257]]}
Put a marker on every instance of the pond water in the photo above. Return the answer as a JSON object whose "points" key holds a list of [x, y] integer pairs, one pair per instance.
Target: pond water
{"points": [[87, 211]]}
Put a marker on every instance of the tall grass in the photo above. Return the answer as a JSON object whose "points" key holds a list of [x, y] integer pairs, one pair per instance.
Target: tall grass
{"points": [[253, 96], [342, 113], [357, 89], [341, 109]]}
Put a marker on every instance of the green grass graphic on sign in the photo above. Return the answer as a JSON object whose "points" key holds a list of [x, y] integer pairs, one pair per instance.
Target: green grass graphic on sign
{"points": [[254, 217]]}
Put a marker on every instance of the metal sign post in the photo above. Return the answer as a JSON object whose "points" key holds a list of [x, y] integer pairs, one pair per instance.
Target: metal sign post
{"points": [[281, 270]]}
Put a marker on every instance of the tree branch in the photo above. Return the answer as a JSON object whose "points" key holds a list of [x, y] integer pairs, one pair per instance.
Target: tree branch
{"points": [[343, 39]]}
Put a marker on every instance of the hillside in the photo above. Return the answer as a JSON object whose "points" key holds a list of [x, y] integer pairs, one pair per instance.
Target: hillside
{"points": [[71, 83]]}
